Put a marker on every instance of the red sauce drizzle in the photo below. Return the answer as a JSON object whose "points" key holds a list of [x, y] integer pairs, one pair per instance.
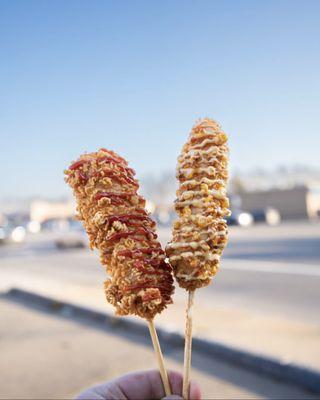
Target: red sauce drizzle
{"points": [[77, 164], [127, 218], [165, 289], [116, 198], [140, 266], [110, 159], [122, 168], [114, 155], [134, 220], [149, 297], [142, 285], [139, 252], [141, 263], [119, 235], [120, 178], [148, 232], [83, 177]]}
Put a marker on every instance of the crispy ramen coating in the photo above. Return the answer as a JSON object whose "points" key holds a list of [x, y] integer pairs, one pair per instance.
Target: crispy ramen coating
{"points": [[200, 234], [114, 216]]}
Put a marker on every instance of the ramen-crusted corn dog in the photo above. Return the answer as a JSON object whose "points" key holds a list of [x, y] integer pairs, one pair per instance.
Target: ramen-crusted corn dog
{"points": [[200, 233], [114, 216]]}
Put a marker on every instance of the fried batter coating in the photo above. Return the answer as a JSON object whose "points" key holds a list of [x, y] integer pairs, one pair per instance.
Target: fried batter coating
{"points": [[200, 233], [118, 225]]}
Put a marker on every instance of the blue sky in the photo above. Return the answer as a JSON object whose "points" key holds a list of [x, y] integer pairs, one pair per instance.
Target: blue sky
{"points": [[134, 75]]}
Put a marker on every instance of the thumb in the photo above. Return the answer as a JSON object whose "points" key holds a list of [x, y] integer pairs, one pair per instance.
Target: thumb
{"points": [[173, 397]]}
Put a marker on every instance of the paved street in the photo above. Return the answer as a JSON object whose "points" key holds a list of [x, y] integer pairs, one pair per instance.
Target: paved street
{"points": [[271, 269], [289, 290], [289, 242], [293, 242], [56, 358], [254, 298]]}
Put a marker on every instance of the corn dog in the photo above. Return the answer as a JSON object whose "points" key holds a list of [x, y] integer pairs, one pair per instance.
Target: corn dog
{"points": [[115, 219], [200, 233]]}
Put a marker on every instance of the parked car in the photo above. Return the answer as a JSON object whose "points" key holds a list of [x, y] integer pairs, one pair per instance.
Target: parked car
{"points": [[164, 218], [4, 234], [71, 235], [240, 218], [269, 215], [55, 224], [10, 233]]}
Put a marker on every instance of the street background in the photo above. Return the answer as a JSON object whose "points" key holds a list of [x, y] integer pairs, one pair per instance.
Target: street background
{"points": [[265, 299]]}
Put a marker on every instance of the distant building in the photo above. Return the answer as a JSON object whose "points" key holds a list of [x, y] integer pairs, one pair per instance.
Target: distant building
{"points": [[295, 203], [43, 210]]}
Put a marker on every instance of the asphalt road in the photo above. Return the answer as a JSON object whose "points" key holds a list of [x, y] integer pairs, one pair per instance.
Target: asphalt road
{"points": [[52, 357], [292, 242], [270, 270]]}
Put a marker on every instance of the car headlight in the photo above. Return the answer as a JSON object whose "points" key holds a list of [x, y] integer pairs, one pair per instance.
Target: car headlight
{"points": [[34, 226], [18, 234], [245, 219]]}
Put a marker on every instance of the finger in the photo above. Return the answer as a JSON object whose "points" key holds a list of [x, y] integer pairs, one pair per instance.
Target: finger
{"points": [[94, 393], [144, 385], [148, 384], [194, 391], [107, 390], [176, 382], [175, 379]]}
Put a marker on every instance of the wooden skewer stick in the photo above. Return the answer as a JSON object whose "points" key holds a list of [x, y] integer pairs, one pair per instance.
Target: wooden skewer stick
{"points": [[187, 347], [157, 349]]}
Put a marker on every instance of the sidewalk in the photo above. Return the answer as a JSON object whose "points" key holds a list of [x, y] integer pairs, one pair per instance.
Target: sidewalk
{"points": [[44, 355], [237, 326]]}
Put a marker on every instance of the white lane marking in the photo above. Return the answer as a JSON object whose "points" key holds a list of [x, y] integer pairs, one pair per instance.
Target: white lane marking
{"points": [[307, 271]]}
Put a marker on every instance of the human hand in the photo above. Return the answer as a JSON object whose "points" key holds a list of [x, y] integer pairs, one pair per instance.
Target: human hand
{"points": [[144, 385]]}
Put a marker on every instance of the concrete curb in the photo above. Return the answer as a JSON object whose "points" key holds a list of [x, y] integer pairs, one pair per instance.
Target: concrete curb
{"points": [[273, 368]]}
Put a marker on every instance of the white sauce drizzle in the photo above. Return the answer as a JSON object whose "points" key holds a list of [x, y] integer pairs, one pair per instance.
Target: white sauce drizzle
{"points": [[213, 192], [194, 182], [188, 172], [187, 254], [212, 140]]}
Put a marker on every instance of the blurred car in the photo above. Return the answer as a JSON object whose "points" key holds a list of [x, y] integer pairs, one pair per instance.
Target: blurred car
{"points": [[71, 235], [56, 224], [164, 218], [269, 215], [33, 226], [10, 233], [240, 218], [4, 234]]}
